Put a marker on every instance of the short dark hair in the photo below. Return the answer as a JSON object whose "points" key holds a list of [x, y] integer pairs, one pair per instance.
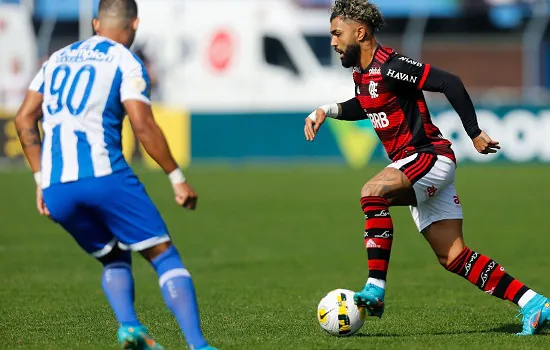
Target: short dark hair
{"points": [[123, 9], [360, 11]]}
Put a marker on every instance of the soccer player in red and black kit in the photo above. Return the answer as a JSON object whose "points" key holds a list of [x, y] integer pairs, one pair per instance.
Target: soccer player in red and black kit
{"points": [[388, 88]]}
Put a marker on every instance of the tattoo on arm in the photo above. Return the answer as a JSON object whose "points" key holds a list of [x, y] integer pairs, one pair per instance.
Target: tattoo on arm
{"points": [[29, 137]]}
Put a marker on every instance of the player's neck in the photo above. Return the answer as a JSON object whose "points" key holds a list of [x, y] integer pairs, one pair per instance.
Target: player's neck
{"points": [[367, 53], [115, 35]]}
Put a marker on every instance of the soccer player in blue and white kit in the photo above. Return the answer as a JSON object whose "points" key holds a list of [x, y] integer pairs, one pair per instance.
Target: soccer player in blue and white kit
{"points": [[82, 93]]}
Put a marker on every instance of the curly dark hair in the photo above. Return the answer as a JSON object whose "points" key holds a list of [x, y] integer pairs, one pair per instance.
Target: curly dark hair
{"points": [[360, 11]]}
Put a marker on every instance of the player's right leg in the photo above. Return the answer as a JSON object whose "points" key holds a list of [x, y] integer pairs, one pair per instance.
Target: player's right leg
{"points": [[133, 218], [178, 291], [388, 188], [396, 185]]}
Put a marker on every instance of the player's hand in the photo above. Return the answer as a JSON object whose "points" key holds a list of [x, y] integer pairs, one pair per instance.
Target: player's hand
{"points": [[485, 145], [185, 195], [40, 205], [311, 127]]}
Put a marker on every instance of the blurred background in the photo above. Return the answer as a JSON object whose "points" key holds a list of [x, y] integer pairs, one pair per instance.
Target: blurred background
{"points": [[233, 80]]}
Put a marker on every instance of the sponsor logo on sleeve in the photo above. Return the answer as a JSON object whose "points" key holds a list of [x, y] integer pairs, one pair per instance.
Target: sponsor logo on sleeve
{"points": [[401, 76], [411, 62]]}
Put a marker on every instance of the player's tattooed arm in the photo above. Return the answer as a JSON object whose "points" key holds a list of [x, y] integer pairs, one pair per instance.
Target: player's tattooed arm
{"points": [[29, 137], [26, 123]]}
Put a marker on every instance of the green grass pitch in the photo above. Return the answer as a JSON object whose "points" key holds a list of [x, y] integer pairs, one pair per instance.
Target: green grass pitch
{"points": [[264, 247]]}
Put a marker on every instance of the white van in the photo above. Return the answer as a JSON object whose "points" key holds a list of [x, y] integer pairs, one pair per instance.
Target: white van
{"points": [[238, 55], [18, 56]]}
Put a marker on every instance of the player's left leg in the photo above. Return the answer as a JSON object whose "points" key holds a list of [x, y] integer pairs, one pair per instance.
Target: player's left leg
{"points": [[118, 285], [445, 238]]}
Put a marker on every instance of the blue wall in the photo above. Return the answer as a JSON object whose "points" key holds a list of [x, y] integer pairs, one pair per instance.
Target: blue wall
{"points": [[251, 137], [263, 135]]}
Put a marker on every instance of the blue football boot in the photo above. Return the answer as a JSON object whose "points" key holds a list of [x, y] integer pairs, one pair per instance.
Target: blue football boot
{"points": [[535, 315], [371, 298], [137, 338]]}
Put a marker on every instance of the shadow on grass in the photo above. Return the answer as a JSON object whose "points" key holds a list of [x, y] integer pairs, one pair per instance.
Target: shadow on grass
{"points": [[505, 329]]}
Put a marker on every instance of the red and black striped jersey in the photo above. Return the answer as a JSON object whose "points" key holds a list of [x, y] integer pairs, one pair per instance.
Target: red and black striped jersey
{"points": [[389, 90]]}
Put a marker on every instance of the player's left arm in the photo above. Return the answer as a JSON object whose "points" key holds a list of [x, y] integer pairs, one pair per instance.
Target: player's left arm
{"points": [[403, 74]]}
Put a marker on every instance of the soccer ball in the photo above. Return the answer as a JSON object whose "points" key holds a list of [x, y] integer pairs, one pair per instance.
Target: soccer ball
{"points": [[338, 314]]}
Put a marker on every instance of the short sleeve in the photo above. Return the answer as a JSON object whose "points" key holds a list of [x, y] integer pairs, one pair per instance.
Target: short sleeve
{"points": [[37, 84], [402, 73], [135, 83]]}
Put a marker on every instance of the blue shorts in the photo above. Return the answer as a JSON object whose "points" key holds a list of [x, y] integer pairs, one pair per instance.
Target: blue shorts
{"points": [[102, 212]]}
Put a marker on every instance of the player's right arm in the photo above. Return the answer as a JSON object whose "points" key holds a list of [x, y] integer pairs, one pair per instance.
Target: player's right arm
{"points": [[152, 138], [134, 93], [350, 110]]}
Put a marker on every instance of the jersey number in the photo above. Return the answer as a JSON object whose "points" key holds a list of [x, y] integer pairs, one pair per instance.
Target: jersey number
{"points": [[57, 89]]}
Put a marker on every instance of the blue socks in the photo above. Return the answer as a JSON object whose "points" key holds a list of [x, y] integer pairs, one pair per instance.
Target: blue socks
{"points": [[179, 295], [118, 285], [176, 286]]}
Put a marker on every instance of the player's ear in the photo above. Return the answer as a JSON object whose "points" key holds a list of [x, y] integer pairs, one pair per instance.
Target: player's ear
{"points": [[135, 24], [96, 24], [362, 33]]}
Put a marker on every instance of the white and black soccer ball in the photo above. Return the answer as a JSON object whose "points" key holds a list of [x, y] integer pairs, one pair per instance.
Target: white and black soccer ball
{"points": [[338, 314]]}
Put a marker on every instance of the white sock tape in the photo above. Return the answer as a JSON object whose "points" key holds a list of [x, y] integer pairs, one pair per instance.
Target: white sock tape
{"points": [[168, 275]]}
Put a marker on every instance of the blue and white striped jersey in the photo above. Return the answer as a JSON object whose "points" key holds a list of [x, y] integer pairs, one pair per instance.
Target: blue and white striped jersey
{"points": [[84, 86]]}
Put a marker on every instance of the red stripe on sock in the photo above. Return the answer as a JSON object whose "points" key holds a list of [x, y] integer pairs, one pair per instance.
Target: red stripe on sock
{"points": [[373, 203], [374, 199], [459, 259], [384, 243], [477, 268], [383, 223], [512, 290], [380, 265], [497, 274]]}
